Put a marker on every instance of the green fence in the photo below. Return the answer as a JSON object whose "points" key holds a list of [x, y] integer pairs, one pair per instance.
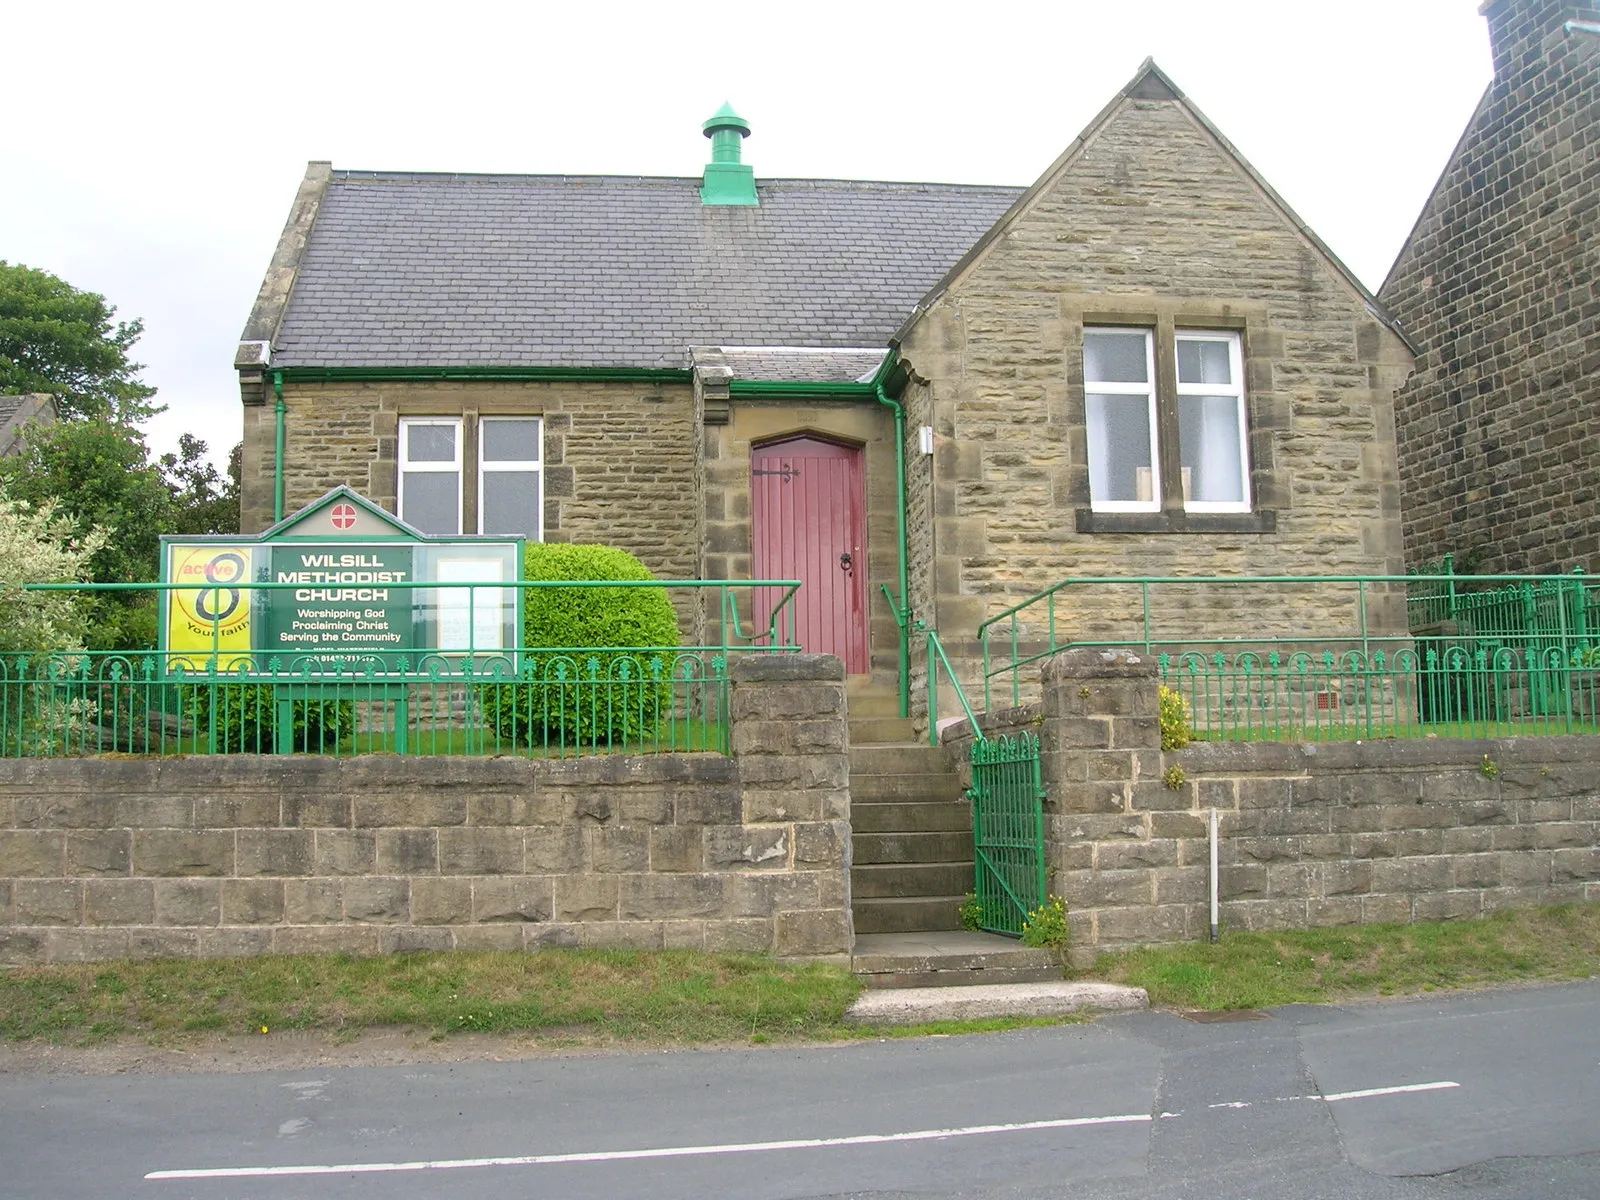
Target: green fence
{"points": [[1007, 797], [1530, 613], [1430, 690], [1329, 657], [479, 699]]}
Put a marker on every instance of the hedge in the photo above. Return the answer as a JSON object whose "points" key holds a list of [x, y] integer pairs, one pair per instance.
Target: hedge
{"points": [[605, 677]]}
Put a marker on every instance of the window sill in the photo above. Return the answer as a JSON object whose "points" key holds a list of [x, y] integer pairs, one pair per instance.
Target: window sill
{"points": [[1260, 521]]}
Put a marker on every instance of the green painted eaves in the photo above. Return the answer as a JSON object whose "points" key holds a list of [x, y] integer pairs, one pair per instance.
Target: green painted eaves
{"points": [[514, 374]]}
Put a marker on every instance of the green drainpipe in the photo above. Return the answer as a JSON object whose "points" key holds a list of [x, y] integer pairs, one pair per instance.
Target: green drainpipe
{"points": [[903, 616], [280, 412]]}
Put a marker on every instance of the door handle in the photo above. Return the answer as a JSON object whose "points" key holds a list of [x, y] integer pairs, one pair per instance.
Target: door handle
{"points": [[845, 561]]}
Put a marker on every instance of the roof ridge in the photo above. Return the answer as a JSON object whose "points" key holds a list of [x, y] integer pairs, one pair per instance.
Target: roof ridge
{"points": [[357, 175]]}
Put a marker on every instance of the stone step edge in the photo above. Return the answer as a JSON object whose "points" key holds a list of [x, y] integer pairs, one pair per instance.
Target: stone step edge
{"points": [[1022, 956], [989, 975], [979, 1002], [1008, 956]]}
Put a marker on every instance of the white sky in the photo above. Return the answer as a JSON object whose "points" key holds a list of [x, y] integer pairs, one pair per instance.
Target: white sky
{"points": [[151, 151]]}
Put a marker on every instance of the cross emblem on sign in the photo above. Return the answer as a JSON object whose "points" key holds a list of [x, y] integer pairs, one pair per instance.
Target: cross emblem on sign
{"points": [[343, 516]]}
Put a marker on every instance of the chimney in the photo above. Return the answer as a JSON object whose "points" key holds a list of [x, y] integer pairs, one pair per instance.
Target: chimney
{"points": [[727, 180], [1522, 33]]}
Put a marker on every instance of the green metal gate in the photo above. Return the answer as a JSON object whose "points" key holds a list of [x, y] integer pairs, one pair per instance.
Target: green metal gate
{"points": [[1008, 830]]}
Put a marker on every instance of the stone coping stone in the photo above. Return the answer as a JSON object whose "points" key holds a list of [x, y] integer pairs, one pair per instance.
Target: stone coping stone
{"points": [[1099, 662], [919, 1005], [787, 668]]}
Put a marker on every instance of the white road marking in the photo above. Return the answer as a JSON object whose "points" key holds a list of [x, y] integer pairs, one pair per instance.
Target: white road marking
{"points": [[537, 1160], [1391, 1091], [865, 1139]]}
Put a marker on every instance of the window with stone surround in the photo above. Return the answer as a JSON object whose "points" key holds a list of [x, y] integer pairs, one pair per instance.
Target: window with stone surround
{"points": [[1166, 430], [430, 474], [437, 473], [511, 477]]}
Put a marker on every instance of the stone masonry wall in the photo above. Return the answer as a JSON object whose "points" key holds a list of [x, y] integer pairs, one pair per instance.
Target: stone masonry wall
{"points": [[619, 457], [1496, 287], [1152, 222], [243, 855], [1336, 833]]}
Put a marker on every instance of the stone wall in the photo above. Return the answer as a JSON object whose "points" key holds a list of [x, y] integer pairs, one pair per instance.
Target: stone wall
{"points": [[619, 457], [245, 855], [1332, 833], [1496, 288], [1151, 220]]}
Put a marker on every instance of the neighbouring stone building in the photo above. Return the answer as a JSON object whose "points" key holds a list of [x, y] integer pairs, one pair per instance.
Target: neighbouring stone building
{"points": [[18, 413], [1142, 364], [1497, 288]]}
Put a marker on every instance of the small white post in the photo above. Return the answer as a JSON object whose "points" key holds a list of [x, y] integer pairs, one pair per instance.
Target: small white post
{"points": [[1213, 874]]}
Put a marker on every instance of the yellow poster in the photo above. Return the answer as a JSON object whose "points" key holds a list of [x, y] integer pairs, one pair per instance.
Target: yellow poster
{"points": [[213, 618]]}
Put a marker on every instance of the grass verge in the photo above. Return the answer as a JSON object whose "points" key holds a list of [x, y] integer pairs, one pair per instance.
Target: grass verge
{"points": [[574, 996], [1260, 970], [683, 998]]}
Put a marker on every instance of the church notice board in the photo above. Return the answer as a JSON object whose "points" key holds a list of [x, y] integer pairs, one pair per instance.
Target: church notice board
{"points": [[347, 595]]}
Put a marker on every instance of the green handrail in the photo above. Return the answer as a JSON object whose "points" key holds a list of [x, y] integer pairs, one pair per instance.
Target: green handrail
{"points": [[1147, 639], [937, 655]]}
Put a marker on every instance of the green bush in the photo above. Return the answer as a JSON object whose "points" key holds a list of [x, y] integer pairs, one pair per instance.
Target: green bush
{"points": [[1173, 709], [971, 912], [246, 719], [587, 690], [1046, 926]]}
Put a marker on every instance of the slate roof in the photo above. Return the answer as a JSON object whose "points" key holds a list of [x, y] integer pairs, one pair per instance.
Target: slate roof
{"points": [[784, 364], [410, 270]]}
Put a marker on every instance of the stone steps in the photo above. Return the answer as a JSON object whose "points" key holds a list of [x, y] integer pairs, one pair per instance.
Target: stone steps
{"points": [[946, 959], [876, 730], [906, 914], [900, 846], [921, 788], [901, 880], [874, 703], [897, 758], [911, 832], [914, 816]]}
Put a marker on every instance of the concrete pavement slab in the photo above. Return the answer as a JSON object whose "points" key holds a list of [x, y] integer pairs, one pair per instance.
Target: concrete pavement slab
{"points": [[916, 1006]]}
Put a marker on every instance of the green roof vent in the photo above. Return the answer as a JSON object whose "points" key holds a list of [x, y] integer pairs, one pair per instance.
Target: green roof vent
{"points": [[727, 180]]}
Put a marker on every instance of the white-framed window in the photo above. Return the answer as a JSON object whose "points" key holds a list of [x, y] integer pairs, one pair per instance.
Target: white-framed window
{"points": [[511, 476], [1211, 423], [1129, 408], [1119, 395], [430, 474]]}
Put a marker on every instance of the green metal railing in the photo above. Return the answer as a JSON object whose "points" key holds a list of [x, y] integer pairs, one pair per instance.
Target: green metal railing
{"points": [[478, 699], [1007, 796], [1431, 690], [937, 658], [1528, 612], [1325, 656]]}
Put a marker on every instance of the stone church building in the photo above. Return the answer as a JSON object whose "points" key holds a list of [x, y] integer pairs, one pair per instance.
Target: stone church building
{"points": [[925, 401], [1499, 288]]}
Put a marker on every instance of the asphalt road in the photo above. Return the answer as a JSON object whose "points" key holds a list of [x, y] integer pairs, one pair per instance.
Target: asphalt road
{"points": [[1488, 1095]]}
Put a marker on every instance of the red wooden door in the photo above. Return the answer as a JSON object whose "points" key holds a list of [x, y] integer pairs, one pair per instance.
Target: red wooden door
{"points": [[808, 518]]}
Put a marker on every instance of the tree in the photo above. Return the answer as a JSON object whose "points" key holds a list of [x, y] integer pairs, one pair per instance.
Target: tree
{"points": [[98, 475], [55, 338], [37, 545], [203, 500]]}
